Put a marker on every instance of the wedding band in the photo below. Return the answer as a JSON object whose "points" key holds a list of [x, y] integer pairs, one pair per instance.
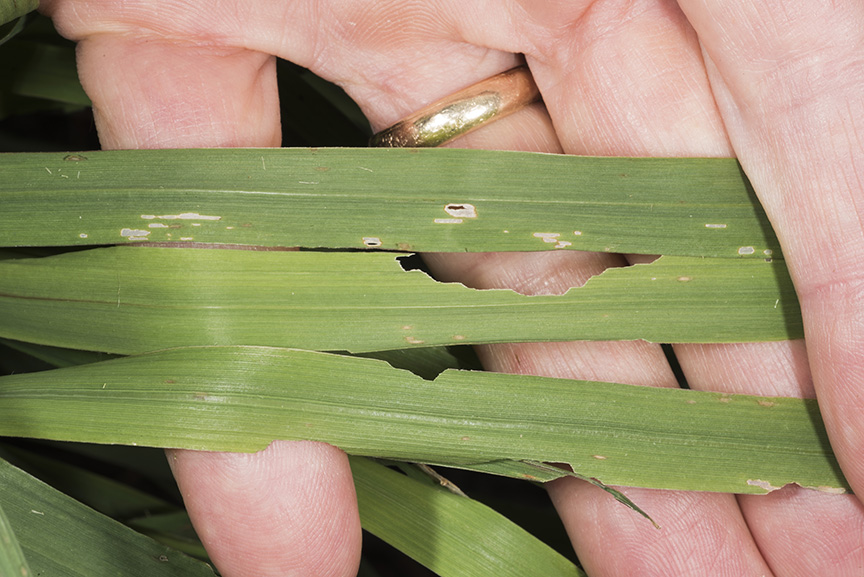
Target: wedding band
{"points": [[462, 112]]}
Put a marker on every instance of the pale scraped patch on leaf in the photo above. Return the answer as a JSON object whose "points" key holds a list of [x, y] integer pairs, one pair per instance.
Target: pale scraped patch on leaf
{"points": [[762, 485], [461, 210], [448, 221], [372, 241], [553, 238], [134, 234], [769, 488], [550, 237], [181, 216], [829, 490]]}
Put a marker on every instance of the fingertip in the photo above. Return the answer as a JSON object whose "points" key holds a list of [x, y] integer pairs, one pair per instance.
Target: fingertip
{"points": [[160, 93], [834, 321], [698, 531], [290, 509]]}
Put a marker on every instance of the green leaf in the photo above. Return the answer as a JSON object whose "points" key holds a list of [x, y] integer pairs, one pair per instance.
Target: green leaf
{"points": [[123, 300], [449, 534], [10, 30], [60, 536], [12, 561], [241, 398], [399, 199], [38, 69], [173, 529], [106, 495], [12, 9]]}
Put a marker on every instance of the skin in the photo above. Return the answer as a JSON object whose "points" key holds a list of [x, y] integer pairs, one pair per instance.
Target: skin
{"points": [[777, 84]]}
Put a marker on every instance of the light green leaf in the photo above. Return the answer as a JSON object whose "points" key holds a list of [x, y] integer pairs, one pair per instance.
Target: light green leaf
{"points": [[63, 537], [241, 398], [12, 561], [449, 534], [124, 300], [398, 199]]}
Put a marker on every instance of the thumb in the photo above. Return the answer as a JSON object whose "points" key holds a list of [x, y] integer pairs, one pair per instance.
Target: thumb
{"points": [[787, 76]]}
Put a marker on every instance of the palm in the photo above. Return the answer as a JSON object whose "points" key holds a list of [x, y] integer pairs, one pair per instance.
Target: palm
{"points": [[617, 78]]}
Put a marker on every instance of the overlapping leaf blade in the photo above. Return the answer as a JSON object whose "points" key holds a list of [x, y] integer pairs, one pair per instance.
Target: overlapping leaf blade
{"points": [[242, 398], [449, 534], [63, 537], [125, 300], [12, 560], [408, 200]]}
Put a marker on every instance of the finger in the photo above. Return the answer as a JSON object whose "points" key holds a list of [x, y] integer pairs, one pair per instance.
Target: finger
{"points": [[634, 84], [155, 92], [787, 78], [798, 531], [380, 51], [771, 368], [611, 94], [590, 516], [160, 94], [287, 510]]}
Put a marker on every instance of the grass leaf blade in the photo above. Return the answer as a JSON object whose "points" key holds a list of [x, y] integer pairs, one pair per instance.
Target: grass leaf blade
{"points": [[12, 560], [127, 301], [241, 398], [452, 535], [63, 537], [429, 200]]}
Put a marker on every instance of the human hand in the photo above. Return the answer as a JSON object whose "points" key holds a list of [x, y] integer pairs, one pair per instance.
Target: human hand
{"points": [[624, 78]]}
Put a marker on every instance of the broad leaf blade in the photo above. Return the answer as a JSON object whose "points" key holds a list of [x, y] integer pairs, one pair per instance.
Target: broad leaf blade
{"points": [[124, 300], [241, 398], [410, 200]]}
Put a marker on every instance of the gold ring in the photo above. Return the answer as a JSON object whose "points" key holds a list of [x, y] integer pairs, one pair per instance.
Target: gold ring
{"points": [[462, 112]]}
